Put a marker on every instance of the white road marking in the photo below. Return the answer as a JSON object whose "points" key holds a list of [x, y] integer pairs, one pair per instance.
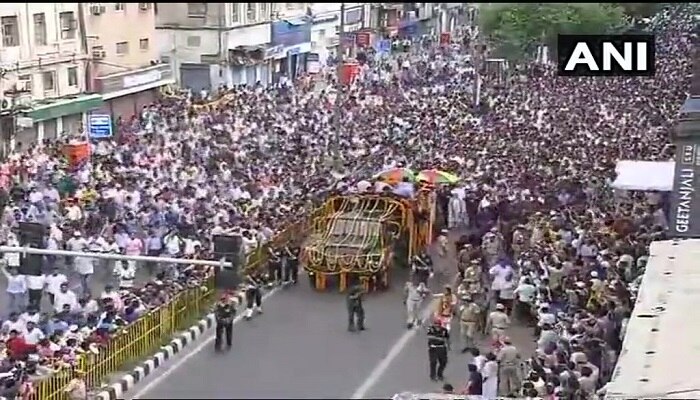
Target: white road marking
{"points": [[394, 352], [182, 361]]}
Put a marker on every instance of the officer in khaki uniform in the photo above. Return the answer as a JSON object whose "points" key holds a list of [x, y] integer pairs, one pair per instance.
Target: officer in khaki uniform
{"points": [[472, 277], [498, 322], [468, 322], [509, 361]]}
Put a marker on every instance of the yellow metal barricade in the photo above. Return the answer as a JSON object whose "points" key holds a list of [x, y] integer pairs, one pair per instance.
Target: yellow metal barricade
{"points": [[135, 342]]}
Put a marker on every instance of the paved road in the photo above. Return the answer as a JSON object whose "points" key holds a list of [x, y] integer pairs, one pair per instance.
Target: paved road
{"points": [[101, 277], [300, 349]]}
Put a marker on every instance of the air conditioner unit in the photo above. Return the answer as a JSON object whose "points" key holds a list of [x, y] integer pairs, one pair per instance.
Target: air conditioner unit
{"points": [[98, 54], [5, 104], [144, 6], [97, 10]]}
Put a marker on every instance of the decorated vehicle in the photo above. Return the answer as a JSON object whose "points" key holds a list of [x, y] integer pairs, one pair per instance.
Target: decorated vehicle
{"points": [[360, 238]]}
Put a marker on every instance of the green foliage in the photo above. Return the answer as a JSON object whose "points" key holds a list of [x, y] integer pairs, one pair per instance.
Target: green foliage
{"points": [[640, 10], [518, 28]]}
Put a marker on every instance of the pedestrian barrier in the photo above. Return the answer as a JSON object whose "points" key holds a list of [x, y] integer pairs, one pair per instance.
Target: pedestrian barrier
{"points": [[134, 343]]}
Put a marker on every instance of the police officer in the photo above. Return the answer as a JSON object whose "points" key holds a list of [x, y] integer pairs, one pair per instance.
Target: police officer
{"points": [[224, 312], [356, 313], [422, 268], [438, 345], [274, 265], [253, 295], [291, 265], [469, 314]]}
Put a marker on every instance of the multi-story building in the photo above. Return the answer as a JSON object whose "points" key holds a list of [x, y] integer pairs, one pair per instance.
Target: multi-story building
{"points": [[213, 44], [43, 68], [124, 62]]}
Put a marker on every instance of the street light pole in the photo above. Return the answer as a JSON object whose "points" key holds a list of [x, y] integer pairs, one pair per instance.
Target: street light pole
{"points": [[339, 96]]}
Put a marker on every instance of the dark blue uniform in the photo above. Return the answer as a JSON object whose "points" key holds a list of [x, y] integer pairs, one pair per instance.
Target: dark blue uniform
{"points": [[355, 309], [438, 339], [291, 265], [224, 314]]}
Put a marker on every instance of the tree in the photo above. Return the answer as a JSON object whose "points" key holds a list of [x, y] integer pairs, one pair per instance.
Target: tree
{"points": [[640, 10], [517, 29]]}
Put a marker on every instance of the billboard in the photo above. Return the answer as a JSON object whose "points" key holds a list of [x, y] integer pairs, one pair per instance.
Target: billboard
{"points": [[685, 201]]}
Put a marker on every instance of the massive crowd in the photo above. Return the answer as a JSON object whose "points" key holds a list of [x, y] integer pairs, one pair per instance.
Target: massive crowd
{"points": [[536, 159]]}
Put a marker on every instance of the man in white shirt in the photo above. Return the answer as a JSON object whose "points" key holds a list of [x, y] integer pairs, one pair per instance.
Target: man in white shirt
{"points": [[35, 286], [13, 323], [65, 297], [525, 293], [125, 273], [499, 273], [16, 290], [54, 280], [32, 334]]}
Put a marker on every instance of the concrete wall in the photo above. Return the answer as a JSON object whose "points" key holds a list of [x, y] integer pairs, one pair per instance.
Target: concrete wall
{"points": [[181, 15], [129, 24], [31, 61]]}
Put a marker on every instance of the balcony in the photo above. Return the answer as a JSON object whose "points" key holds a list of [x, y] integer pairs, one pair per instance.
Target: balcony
{"points": [[114, 85]]}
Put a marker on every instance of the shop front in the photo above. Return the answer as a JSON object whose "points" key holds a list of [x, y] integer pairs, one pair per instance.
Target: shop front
{"points": [[126, 93], [246, 55], [55, 118], [291, 41]]}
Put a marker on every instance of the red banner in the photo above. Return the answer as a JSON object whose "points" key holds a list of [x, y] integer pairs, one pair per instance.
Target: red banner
{"points": [[362, 39], [445, 38]]}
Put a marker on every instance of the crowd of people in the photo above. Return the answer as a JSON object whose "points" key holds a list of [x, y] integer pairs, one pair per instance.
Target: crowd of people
{"points": [[536, 157], [561, 251]]}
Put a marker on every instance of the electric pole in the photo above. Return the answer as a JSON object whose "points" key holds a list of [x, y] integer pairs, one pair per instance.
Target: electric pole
{"points": [[340, 92]]}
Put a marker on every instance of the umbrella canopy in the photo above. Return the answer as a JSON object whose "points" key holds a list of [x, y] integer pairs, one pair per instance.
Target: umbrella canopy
{"points": [[396, 175], [434, 176]]}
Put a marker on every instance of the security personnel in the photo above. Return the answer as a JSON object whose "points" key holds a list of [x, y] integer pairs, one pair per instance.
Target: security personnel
{"points": [[291, 265], [415, 293], [438, 345], [224, 312], [274, 265], [356, 313], [253, 295], [469, 314], [422, 267], [463, 259]]}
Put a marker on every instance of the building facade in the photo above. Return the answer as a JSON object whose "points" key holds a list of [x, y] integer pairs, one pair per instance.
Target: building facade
{"points": [[214, 44], [124, 64], [43, 65]]}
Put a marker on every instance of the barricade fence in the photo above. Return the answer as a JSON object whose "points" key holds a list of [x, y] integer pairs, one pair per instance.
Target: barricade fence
{"points": [[145, 336], [134, 343]]}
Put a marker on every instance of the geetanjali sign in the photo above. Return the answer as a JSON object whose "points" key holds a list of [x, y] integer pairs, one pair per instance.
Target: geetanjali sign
{"points": [[685, 211], [100, 126]]}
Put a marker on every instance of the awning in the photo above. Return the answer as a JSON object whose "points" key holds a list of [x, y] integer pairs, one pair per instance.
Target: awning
{"points": [[297, 21], [55, 108]]}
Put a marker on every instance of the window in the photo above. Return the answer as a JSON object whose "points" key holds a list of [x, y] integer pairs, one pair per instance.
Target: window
{"points": [[68, 25], [119, 6], [10, 31], [26, 81], [143, 44], [122, 48], [196, 10], [264, 11], [40, 29], [194, 41], [235, 14], [48, 78], [72, 76], [251, 12]]}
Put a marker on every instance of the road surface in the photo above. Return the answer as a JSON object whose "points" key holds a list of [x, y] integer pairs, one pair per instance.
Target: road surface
{"points": [[300, 348]]}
